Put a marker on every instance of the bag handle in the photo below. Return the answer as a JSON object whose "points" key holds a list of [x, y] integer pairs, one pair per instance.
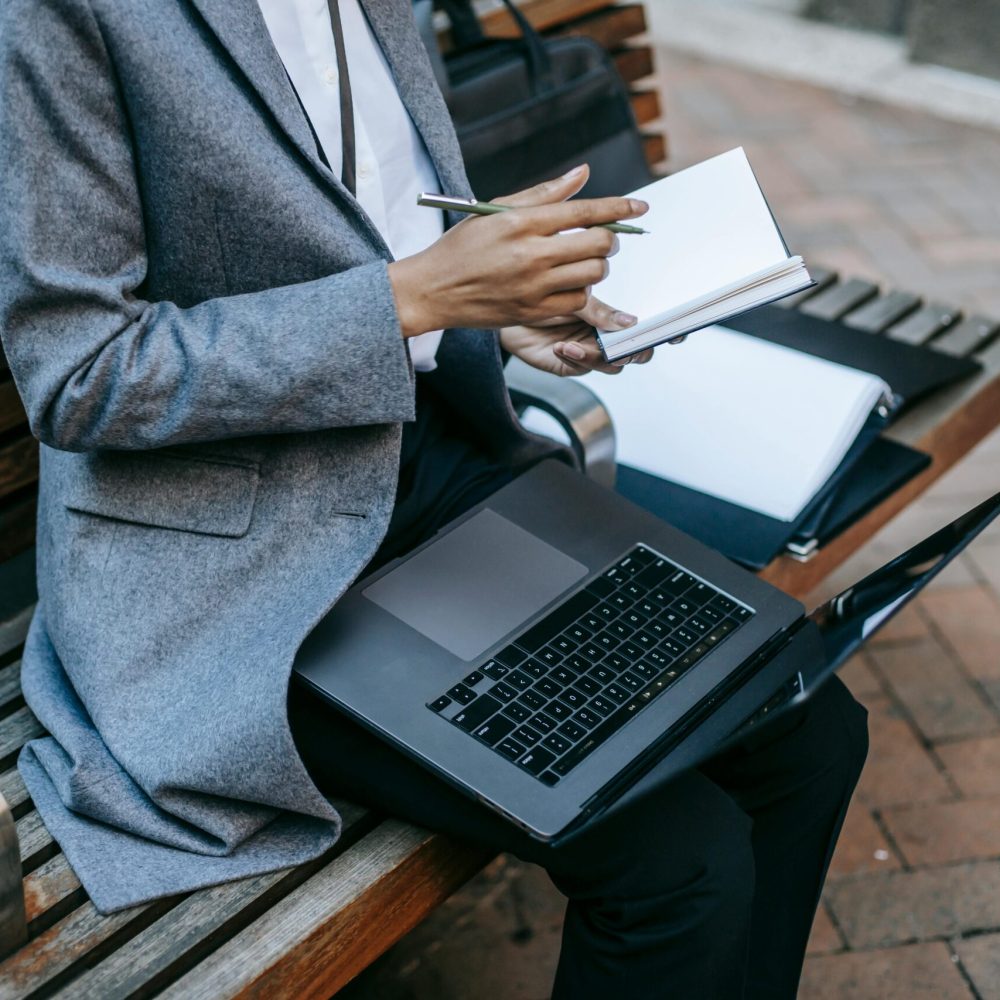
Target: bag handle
{"points": [[467, 31]]}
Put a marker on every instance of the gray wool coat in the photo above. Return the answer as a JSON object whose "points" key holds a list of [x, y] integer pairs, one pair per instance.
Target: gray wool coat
{"points": [[199, 320]]}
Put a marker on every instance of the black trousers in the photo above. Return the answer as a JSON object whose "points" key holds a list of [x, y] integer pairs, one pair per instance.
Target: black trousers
{"points": [[703, 887]]}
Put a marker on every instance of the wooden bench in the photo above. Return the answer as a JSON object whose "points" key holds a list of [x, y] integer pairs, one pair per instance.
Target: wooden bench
{"points": [[308, 931]]}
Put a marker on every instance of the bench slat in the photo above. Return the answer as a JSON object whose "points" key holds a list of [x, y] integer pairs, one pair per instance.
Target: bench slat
{"points": [[49, 885], [925, 323], [12, 788], [152, 957], [17, 729], [971, 335], [33, 837], [878, 315], [834, 302], [10, 684], [47, 958], [320, 936]]}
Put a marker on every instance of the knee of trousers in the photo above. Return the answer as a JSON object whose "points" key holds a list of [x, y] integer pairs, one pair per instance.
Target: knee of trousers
{"points": [[685, 856]]}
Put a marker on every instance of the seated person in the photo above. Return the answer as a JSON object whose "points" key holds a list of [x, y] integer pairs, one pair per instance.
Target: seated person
{"points": [[257, 369]]}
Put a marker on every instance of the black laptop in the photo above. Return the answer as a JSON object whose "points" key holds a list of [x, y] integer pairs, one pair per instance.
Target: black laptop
{"points": [[551, 646]]}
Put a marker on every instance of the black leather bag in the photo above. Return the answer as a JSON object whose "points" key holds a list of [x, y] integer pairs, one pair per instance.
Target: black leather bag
{"points": [[531, 108]]}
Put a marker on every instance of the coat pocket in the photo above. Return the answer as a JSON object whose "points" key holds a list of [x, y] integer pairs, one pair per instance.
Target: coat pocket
{"points": [[167, 490]]}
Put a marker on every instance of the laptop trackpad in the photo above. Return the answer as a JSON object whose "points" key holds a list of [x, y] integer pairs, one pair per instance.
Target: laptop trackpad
{"points": [[475, 584]]}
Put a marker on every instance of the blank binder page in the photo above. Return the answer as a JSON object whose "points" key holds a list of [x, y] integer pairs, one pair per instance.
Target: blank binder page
{"points": [[728, 414]]}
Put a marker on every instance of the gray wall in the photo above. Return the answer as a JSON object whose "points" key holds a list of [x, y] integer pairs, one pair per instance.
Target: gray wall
{"points": [[963, 34]]}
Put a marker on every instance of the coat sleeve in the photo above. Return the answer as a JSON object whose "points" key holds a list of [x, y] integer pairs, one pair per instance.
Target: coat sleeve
{"points": [[96, 365]]}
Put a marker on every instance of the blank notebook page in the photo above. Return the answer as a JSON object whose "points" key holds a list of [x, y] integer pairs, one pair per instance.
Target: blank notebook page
{"points": [[709, 227], [751, 422]]}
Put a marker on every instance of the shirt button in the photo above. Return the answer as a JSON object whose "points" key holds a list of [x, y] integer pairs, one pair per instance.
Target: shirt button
{"points": [[364, 171], [330, 76]]}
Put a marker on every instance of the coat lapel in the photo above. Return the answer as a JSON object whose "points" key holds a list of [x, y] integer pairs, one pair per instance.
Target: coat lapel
{"points": [[240, 28], [393, 25]]}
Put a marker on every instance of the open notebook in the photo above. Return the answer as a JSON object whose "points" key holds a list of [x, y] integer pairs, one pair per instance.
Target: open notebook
{"points": [[727, 414], [713, 251]]}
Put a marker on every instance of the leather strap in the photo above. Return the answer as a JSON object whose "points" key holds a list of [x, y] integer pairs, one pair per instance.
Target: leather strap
{"points": [[348, 169]]}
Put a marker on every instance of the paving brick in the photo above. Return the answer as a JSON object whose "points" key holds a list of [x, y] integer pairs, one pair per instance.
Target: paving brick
{"points": [[941, 832], [899, 769], [981, 960], [913, 972], [969, 620], [860, 679], [974, 765], [943, 703], [898, 907], [824, 937], [862, 846]]}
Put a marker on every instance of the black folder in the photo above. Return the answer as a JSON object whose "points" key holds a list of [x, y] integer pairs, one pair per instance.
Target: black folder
{"points": [[910, 371], [875, 468]]}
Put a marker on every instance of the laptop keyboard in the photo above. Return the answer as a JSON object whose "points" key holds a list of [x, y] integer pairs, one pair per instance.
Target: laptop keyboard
{"points": [[572, 680]]}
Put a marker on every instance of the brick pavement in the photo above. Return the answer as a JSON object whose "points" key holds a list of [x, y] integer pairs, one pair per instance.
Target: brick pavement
{"points": [[912, 905]]}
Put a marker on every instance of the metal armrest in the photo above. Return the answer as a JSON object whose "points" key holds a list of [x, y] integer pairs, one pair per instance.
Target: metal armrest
{"points": [[579, 412], [13, 924]]}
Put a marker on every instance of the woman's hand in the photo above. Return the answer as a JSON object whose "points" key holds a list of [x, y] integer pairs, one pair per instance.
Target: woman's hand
{"points": [[566, 345], [515, 268]]}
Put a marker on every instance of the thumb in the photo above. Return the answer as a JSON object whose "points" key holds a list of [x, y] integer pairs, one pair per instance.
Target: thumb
{"points": [[549, 192]]}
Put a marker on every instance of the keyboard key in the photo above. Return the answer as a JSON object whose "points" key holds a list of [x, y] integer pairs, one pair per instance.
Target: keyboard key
{"points": [[510, 748], [602, 705], [474, 678], [630, 651], [621, 630], [532, 699], [534, 668], [543, 723], [461, 694], [634, 589], [495, 670], [503, 691], [558, 710], [479, 711], [711, 614], [578, 634], [573, 698], [591, 653], [606, 641], [440, 703], [496, 729], [572, 730], [577, 664], [517, 711], [592, 622], [518, 679], [603, 674], [537, 760], [646, 670], [684, 607], [685, 636], [549, 656], [700, 594], [699, 625], [548, 687], [605, 612], [549, 778], [657, 629], [646, 607], [587, 685], [616, 692], [556, 743], [742, 614], [511, 656], [672, 647], [621, 601], [526, 735], [562, 676], [635, 619], [660, 657], [629, 565], [587, 718], [692, 656], [600, 587], [643, 555], [723, 603], [564, 645], [631, 681], [645, 641], [556, 621], [617, 661]]}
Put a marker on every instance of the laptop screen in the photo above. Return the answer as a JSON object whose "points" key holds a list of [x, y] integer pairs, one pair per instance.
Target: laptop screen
{"points": [[848, 619]]}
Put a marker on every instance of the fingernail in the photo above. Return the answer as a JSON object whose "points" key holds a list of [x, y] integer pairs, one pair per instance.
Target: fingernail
{"points": [[574, 351], [625, 319], [638, 206], [575, 172]]}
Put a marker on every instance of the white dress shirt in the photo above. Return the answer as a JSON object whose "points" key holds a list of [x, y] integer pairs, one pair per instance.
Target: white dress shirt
{"points": [[393, 166]]}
